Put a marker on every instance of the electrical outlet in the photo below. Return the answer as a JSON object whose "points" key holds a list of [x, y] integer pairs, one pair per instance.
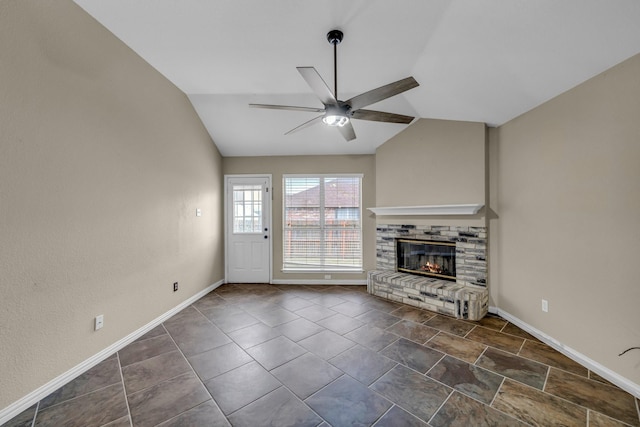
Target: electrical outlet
{"points": [[198, 212], [327, 276], [99, 322], [545, 305], [175, 286]]}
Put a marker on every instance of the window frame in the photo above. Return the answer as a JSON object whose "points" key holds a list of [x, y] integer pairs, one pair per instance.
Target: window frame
{"points": [[322, 226]]}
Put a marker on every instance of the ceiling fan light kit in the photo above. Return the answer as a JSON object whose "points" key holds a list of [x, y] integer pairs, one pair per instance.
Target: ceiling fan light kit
{"points": [[338, 113]]}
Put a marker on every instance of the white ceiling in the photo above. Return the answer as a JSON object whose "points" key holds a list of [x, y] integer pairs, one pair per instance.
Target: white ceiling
{"points": [[485, 61]]}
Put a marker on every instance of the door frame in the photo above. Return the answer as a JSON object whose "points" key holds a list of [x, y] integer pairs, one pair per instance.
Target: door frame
{"points": [[227, 177]]}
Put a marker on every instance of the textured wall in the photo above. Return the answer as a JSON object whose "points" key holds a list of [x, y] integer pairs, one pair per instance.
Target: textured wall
{"points": [[432, 162], [102, 165], [568, 228]]}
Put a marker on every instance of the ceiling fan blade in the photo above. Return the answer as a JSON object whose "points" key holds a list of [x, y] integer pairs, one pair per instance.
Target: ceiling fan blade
{"points": [[287, 107], [383, 92], [319, 87], [347, 131], [381, 116], [305, 124]]}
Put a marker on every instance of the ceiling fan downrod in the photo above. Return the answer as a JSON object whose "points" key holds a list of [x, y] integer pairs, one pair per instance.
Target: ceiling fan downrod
{"points": [[335, 37]]}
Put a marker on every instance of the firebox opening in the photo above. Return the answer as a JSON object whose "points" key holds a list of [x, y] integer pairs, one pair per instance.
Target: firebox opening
{"points": [[426, 258]]}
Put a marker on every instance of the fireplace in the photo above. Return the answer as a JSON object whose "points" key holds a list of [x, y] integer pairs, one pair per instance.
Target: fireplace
{"points": [[426, 258]]}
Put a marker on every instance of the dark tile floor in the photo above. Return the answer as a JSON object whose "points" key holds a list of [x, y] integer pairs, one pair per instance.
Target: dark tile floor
{"points": [[258, 355]]}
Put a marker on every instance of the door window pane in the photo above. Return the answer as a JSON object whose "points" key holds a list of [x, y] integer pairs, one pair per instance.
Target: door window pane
{"points": [[247, 208]]}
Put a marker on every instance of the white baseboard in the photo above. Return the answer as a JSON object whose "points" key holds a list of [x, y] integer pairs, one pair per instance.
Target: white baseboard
{"points": [[318, 282], [40, 393], [604, 372]]}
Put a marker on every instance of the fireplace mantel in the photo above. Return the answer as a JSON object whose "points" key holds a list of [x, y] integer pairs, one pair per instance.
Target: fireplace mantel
{"points": [[465, 209]]}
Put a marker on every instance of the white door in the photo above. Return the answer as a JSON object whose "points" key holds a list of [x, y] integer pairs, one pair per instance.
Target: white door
{"points": [[248, 229]]}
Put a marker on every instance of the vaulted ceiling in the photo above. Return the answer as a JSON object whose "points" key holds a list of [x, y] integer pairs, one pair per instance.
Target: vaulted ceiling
{"points": [[485, 61]]}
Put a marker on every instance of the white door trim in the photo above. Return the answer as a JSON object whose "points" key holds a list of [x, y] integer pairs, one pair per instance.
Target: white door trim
{"points": [[268, 177]]}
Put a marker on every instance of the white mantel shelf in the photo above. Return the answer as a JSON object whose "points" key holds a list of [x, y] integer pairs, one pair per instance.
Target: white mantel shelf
{"points": [[468, 209]]}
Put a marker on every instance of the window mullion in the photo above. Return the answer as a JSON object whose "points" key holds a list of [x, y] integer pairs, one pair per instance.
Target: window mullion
{"points": [[322, 222]]}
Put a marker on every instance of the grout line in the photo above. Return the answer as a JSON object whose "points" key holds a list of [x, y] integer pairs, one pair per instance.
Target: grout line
{"points": [[440, 407], [194, 373], [124, 389], [497, 392], [35, 414], [486, 347], [546, 378], [385, 413], [521, 347]]}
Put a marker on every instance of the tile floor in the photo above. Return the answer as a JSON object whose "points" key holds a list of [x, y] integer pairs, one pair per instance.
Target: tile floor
{"points": [[254, 355]]}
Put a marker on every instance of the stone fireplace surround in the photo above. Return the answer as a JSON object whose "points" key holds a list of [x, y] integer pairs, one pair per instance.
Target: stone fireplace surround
{"points": [[467, 298]]}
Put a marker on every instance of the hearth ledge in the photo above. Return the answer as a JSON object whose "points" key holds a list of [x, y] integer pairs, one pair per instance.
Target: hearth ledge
{"points": [[463, 209], [450, 298]]}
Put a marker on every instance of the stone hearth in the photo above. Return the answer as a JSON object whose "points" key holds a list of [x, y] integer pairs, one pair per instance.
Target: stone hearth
{"points": [[467, 298]]}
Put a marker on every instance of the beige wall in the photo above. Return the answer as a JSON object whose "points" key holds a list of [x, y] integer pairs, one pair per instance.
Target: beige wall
{"points": [[102, 165], [279, 165], [432, 162], [568, 203]]}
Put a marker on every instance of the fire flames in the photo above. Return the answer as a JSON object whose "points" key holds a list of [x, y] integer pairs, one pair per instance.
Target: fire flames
{"points": [[432, 268]]}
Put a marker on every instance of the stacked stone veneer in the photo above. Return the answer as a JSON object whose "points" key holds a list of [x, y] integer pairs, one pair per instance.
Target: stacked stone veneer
{"points": [[466, 298]]}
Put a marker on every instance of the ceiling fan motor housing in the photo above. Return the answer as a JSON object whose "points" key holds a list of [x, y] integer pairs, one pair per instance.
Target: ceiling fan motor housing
{"points": [[335, 36]]}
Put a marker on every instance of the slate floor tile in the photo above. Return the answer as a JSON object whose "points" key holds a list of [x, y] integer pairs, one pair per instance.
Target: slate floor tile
{"points": [[141, 350], [351, 309], [372, 337], [397, 417], [537, 408], [413, 331], [315, 312], [278, 408], [600, 397], [346, 402], [219, 360], [456, 346], [205, 414], [194, 333], [383, 304], [327, 300], [96, 408], [462, 411], [306, 374], [450, 325], [275, 352], [295, 303], [468, 379], [512, 329], [540, 352], [340, 323], [166, 400], [496, 339], [298, 329], [378, 319], [326, 344], [276, 317], [235, 321], [412, 314], [241, 386], [253, 335], [419, 395], [104, 374], [514, 367], [150, 372], [412, 355], [363, 364]]}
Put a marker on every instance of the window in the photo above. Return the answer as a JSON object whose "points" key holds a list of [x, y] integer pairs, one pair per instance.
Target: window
{"points": [[247, 209], [322, 222]]}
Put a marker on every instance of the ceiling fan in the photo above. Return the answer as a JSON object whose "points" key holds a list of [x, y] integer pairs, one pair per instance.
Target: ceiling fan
{"points": [[339, 113]]}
